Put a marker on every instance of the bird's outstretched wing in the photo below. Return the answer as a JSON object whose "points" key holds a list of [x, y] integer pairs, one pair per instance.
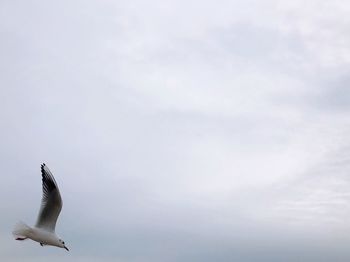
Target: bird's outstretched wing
{"points": [[51, 203]]}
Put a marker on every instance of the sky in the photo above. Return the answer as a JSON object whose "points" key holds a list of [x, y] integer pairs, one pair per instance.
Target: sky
{"points": [[178, 130]]}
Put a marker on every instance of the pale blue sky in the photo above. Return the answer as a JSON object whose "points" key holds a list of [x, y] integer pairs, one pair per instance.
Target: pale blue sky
{"points": [[178, 130]]}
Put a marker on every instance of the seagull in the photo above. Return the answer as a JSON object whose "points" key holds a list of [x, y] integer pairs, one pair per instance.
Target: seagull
{"points": [[51, 205]]}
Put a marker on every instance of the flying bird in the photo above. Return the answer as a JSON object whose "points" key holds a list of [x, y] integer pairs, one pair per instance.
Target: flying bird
{"points": [[51, 205]]}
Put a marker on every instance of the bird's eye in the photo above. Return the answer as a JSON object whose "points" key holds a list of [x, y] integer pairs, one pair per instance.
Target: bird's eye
{"points": [[63, 242]]}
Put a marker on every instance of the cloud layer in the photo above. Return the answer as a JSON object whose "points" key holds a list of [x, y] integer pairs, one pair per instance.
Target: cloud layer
{"points": [[178, 131]]}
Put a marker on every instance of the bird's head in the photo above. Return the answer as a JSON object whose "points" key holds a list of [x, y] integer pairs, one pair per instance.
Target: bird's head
{"points": [[63, 245]]}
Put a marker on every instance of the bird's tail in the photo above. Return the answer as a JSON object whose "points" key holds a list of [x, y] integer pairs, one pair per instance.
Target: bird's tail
{"points": [[21, 231]]}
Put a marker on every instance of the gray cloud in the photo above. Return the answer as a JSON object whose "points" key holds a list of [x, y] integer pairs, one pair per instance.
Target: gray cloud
{"points": [[177, 131]]}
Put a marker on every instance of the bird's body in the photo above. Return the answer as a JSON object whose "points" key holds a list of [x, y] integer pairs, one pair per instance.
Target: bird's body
{"points": [[42, 236], [51, 205]]}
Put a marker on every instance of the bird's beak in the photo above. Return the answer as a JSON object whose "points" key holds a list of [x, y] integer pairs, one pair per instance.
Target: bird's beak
{"points": [[66, 248]]}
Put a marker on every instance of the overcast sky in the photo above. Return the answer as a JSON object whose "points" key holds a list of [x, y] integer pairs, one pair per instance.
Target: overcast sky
{"points": [[178, 130]]}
